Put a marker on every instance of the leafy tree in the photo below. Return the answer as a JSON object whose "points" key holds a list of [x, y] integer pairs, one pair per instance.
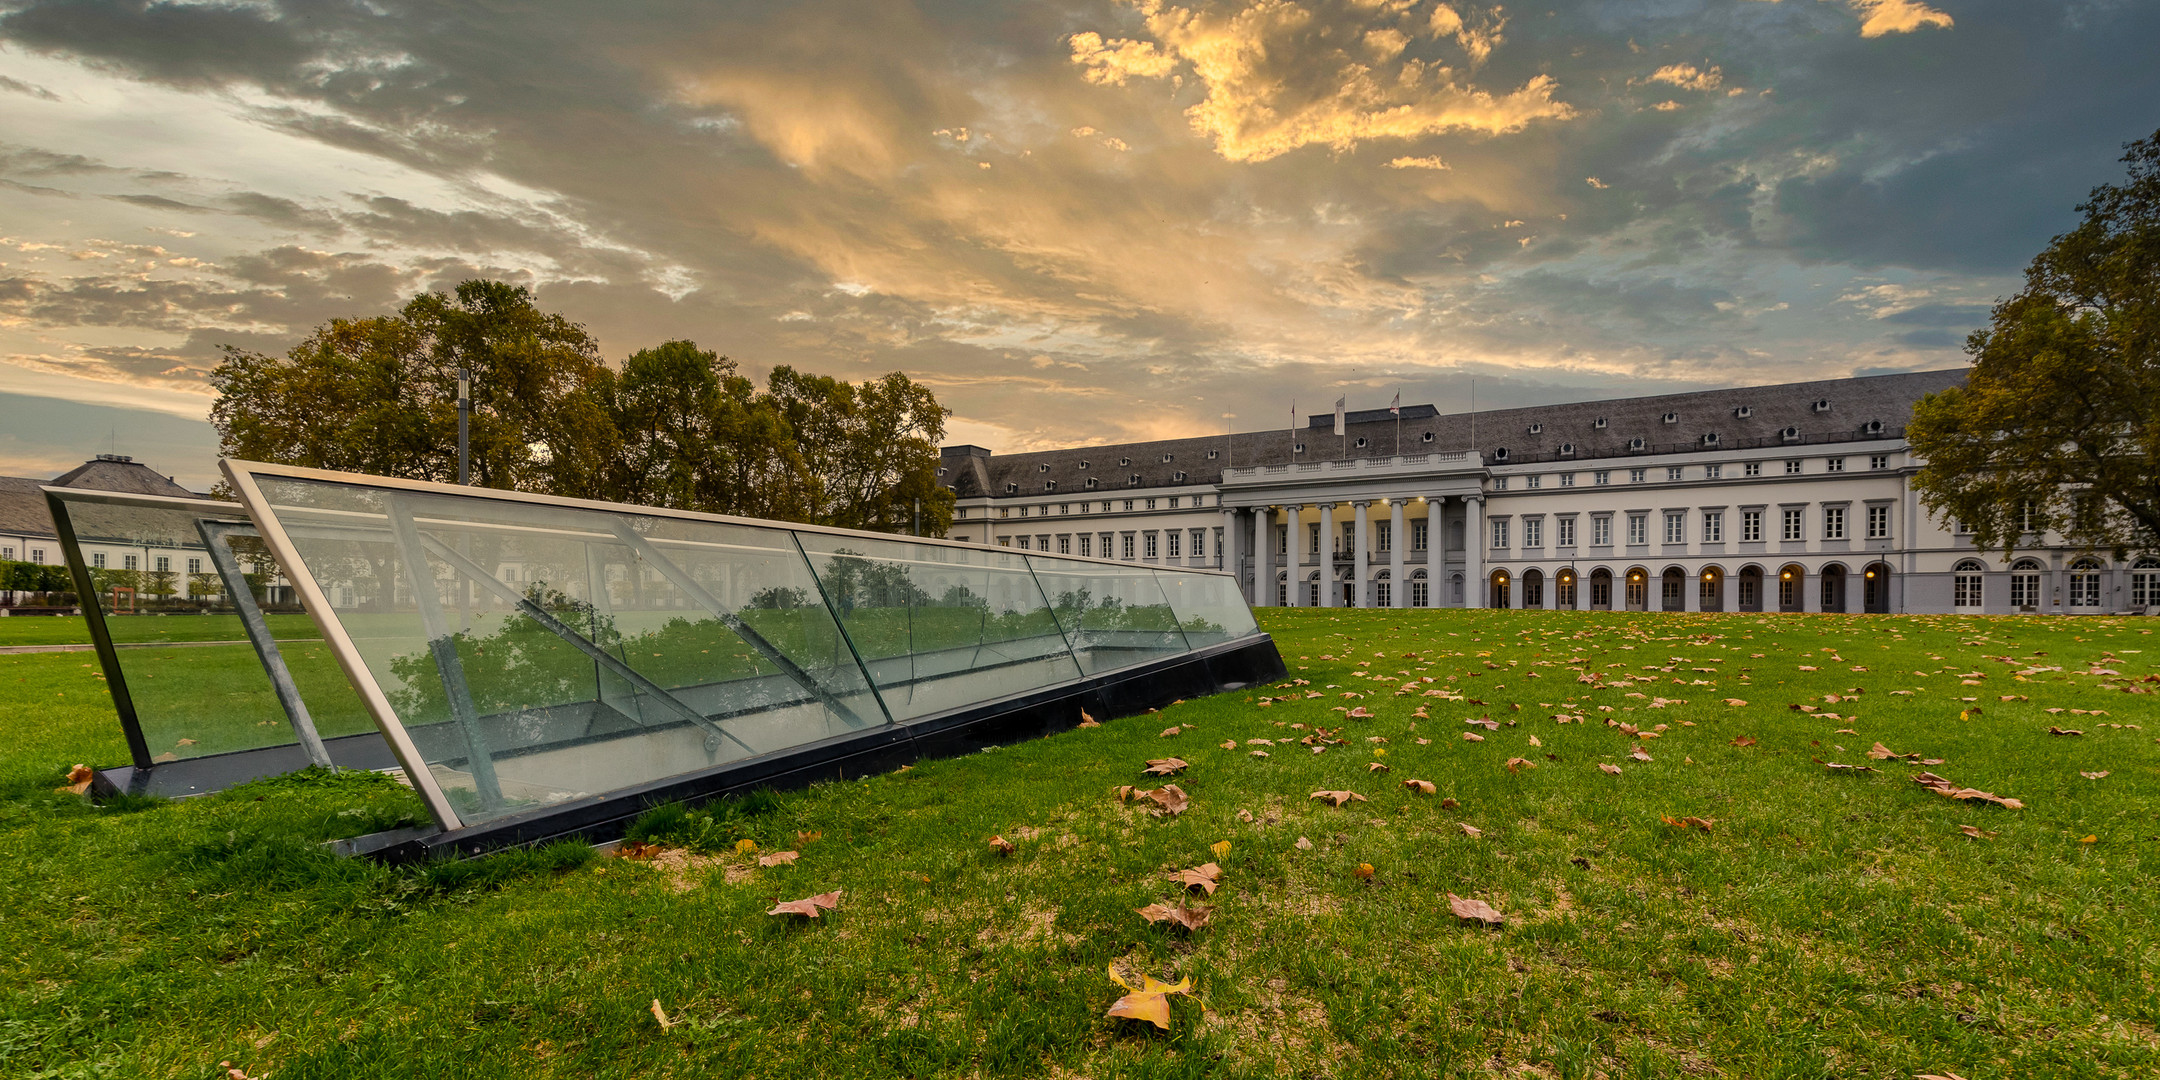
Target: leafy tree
{"points": [[869, 452], [2058, 424]]}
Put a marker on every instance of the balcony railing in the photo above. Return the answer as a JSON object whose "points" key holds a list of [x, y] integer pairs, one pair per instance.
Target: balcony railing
{"points": [[1356, 465]]}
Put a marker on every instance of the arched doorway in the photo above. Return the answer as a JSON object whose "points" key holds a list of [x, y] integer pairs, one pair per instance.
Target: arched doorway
{"points": [[1455, 590], [1672, 589], [1968, 591], [1312, 589], [1500, 589], [1791, 580], [1564, 590], [2025, 585], [1383, 590], [1420, 589], [1349, 589], [1712, 588], [1533, 588], [1601, 589], [1638, 589], [1282, 588], [2085, 590], [1750, 596], [1833, 587], [2145, 583], [1875, 589]]}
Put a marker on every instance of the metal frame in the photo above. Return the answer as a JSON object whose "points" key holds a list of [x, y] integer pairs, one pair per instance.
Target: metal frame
{"points": [[216, 536]]}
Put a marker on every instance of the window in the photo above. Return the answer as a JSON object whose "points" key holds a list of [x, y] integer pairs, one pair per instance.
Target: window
{"points": [[1674, 472], [1601, 531], [1564, 590], [1064, 509], [1419, 535], [1878, 522], [37, 556], [2025, 584], [1567, 479], [1792, 526], [1383, 593], [1103, 549], [1564, 532], [1675, 527], [1637, 476], [1172, 541], [1670, 593], [1836, 464], [1128, 505], [1601, 477], [128, 562], [2085, 584], [1751, 468], [1383, 535], [1499, 532], [1534, 481], [1086, 548], [1064, 543], [1173, 501], [1788, 591], [2145, 582], [1151, 504], [1638, 590], [1420, 590], [1023, 511], [1004, 541], [1638, 528], [1533, 532], [1713, 472], [7, 553], [1218, 546], [1127, 547], [1282, 539], [2029, 520], [1713, 527], [164, 565], [1965, 584], [1600, 590], [1878, 461], [1198, 548], [1748, 586], [1833, 523], [1312, 536], [1499, 483], [1042, 543], [1751, 526], [1792, 468]]}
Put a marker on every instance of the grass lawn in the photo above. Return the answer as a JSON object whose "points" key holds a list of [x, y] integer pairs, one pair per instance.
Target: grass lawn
{"points": [[1829, 923]]}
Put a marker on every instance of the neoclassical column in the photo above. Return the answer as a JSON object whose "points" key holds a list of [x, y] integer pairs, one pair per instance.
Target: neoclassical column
{"points": [[1226, 548], [1473, 556], [1435, 553], [1398, 539], [1295, 562], [1360, 538], [1324, 556], [1263, 558]]}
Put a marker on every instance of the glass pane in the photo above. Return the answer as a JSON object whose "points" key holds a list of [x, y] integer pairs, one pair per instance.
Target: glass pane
{"points": [[1114, 615], [941, 627], [196, 683], [538, 653], [1208, 607]]}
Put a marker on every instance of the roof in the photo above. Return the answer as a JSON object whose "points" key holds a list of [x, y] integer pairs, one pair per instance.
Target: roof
{"points": [[1825, 410], [22, 505]]}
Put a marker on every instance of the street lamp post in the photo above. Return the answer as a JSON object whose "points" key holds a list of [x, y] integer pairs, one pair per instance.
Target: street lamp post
{"points": [[464, 414]]}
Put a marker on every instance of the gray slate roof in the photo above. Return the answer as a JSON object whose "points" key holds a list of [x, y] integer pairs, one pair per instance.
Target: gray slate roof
{"points": [[1852, 404], [22, 505]]}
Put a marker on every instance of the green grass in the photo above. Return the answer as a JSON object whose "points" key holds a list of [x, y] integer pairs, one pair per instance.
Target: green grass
{"points": [[71, 629], [1832, 924]]}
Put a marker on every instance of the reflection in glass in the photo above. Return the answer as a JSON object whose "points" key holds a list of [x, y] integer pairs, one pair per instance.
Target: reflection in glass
{"points": [[1113, 615]]}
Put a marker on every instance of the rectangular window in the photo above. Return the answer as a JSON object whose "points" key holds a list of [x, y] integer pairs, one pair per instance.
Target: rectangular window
{"points": [[1127, 547], [1148, 544], [1966, 590], [2024, 590], [7, 553], [1172, 541], [1536, 481], [1282, 539], [127, 562], [1601, 531], [1064, 509], [1533, 532], [1383, 536], [1042, 543], [1567, 479], [1878, 522], [1128, 506], [1878, 461], [1198, 548], [194, 566], [1023, 511], [1836, 464], [1499, 532], [1151, 504], [1312, 538], [1383, 594], [1087, 548], [1419, 535], [1833, 523], [1638, 528], [1751, 526], [1420, 595], [1751, 468], [1792, 526], [1103, 549], [1674, 472], [2029, 517], [1675, 527], [1218, 546], [1064, 543], [1713, 472], [1564, 534], [1173, 502], [1792, 468], [37, 556], [1637, 476], [1601, 477], [1713, 527], [164, 565], [1499, 483]]}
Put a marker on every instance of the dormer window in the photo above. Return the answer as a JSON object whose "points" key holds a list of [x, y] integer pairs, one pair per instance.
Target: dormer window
{"points": [[1179, 477], [1672, 418], [1823, 405], [1012, 489], [1634, 444], [1427, 437], [1791, 434], [1211, 454], [1537, 429], [1124, 461], [1567, 449], [1361, 442], [1872, 427], [1598, 423], [1134, 480], [1299, 449], [1500, 454], [1709, 438], [1166, 459], [1083, 466], [1042, 468], [1744, 411], [1090, 481], [1049, 485]]}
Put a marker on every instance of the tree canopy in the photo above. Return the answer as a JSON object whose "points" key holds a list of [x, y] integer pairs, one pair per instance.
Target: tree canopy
{"points": [[675, 425], [2058, 425]]}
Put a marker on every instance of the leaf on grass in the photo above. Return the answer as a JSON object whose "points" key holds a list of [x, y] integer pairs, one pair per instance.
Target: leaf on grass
{"points": [[1638, 754], [1191, 918], [1734, 702], [1304, 844], [1229, 744], [1606, 766], [1168, 766], [2093, 775], [1169, 731], [808, 906], [1150, 1001], [1976, 832], [1000, 846], [1937, 1076], [1221, 848], [1743, 741], [1948, 790], [78, 780], [2064, 731], [1169, 799], [1258, 753], [1364, 871], [1339, 797], [1474, 910], [1469, 830], [745, 846], [2089, 839], [1534, 741], [1206, 877], [1516, 764], [1449, 803], [1374, 766], [1702, 823], [1835, 767], [1420, 787], [660, 1014], [1359, 713], [782, 858], [1472, 736], [1086, 720]]}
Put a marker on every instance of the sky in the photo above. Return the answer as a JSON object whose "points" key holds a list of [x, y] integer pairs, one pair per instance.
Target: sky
{"points": [[1076, 222]]}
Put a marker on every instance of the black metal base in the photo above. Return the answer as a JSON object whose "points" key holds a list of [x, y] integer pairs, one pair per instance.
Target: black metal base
{"points": [[204, 775], [1230, 666]]}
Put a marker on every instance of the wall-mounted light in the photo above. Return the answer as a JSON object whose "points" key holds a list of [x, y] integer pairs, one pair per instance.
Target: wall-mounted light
{"points": [[1787, 575], [1871, 573]]}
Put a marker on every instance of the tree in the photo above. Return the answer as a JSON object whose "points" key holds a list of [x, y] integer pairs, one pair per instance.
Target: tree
{"points": [[2058, 425], [869, 452]]}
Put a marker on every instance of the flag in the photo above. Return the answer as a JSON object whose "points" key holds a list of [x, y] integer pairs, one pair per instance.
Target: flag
{"points": [[1339, 418], [1396, 406], [1293, 415]]}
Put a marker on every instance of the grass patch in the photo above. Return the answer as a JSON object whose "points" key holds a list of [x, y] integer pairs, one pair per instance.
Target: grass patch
{"points": [[1830, 922]]}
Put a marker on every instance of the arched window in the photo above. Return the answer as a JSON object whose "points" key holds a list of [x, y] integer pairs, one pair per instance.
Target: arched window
{"points": [[1312, 589], [1383, 590], [1638, 590], [1965, 585], [1564, 590], [1601, 589], [2085, 577], [2025, 584], [1282, 589], [1420, 590], [2145, 582]]}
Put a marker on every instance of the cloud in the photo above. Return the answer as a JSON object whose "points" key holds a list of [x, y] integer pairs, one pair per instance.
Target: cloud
{"points": [[1688, 77], [1418, 163], [1879, 17], [1277, 76]]}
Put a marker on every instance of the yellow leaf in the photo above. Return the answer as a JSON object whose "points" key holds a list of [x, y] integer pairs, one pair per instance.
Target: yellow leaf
{"points": [[2090, 840], [1221, 848], [745, 846]]}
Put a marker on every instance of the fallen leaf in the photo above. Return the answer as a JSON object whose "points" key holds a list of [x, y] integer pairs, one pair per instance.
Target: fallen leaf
{"points": [[1534, 741], [1374, 766], [2090, 839], [2064, 731], [1638, 754], [2094, 775], [1221, 848], [660, 1014], [1937, 1076], [782, 858], [1150, 1001], [1364, 871], [1303, 844], [1516, 764], [1359, 713], [809, 906], [1259, 753], [1086, 720], [1229, 744], [1169, 731], [1474, 910], [745, 846], [78, 780], [1168, 766], [1607, 766], [1948, 790], [1205, 876], [1191, 918], [1472, 736], [1244, 815], [1690, 822], [809, 837], [1734, 702], [1976, 832], [1743, 741], [1339, 797], [1420, 787], [1469, 830], [1449, 803], [998, 846], [1170, 798]]}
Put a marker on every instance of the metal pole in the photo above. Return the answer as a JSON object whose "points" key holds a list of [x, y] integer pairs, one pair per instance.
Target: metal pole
{"points": [[918, 517], [464, 412], [215, 535]]}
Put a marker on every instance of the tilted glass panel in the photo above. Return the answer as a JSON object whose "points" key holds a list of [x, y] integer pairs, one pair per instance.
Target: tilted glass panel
{"points": [[941, 627], [538, 653], [1209, 607], [1114, 615], [197, 685]]}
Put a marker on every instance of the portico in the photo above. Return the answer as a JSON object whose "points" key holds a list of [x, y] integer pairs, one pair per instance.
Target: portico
{"points": [[1332, 533]]}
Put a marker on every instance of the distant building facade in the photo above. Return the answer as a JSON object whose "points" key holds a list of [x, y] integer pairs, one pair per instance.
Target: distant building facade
{"points": [[27, 533], [1796, 497]]}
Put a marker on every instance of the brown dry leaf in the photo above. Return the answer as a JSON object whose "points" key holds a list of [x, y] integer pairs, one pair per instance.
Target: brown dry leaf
{"points": [[1245, 816], [2064, 731], [1000, 846], [1339, 797], [1420, 787], [1534, 741], [809, 837], [809, 906], [1606, 766], [1168, 766], [1191, 918], [1086, 720], [1150, 1001], [1169, 731], [1170, 798], [782, 858], [1734, 702], [1469, 830], [1638, 754], [1743, 741], [1229, 744], [1937, 1076], [2094, 775], [1690, 822], [1976, 833], [1304, 844], [1516, 764], [1474, 910], [1472, 736], [1206, 876], [1364, 871], [1948, 790], [1835, 767], [78, 780], [660, 1014], [1449, 803], [1374, 766]]}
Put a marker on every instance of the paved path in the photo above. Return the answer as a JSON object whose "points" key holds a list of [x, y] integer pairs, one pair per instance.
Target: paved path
{"points": [[87, 647]]}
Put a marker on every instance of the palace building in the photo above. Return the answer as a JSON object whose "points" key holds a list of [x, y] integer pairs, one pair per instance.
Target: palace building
{"points": [[1795, 497]]}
